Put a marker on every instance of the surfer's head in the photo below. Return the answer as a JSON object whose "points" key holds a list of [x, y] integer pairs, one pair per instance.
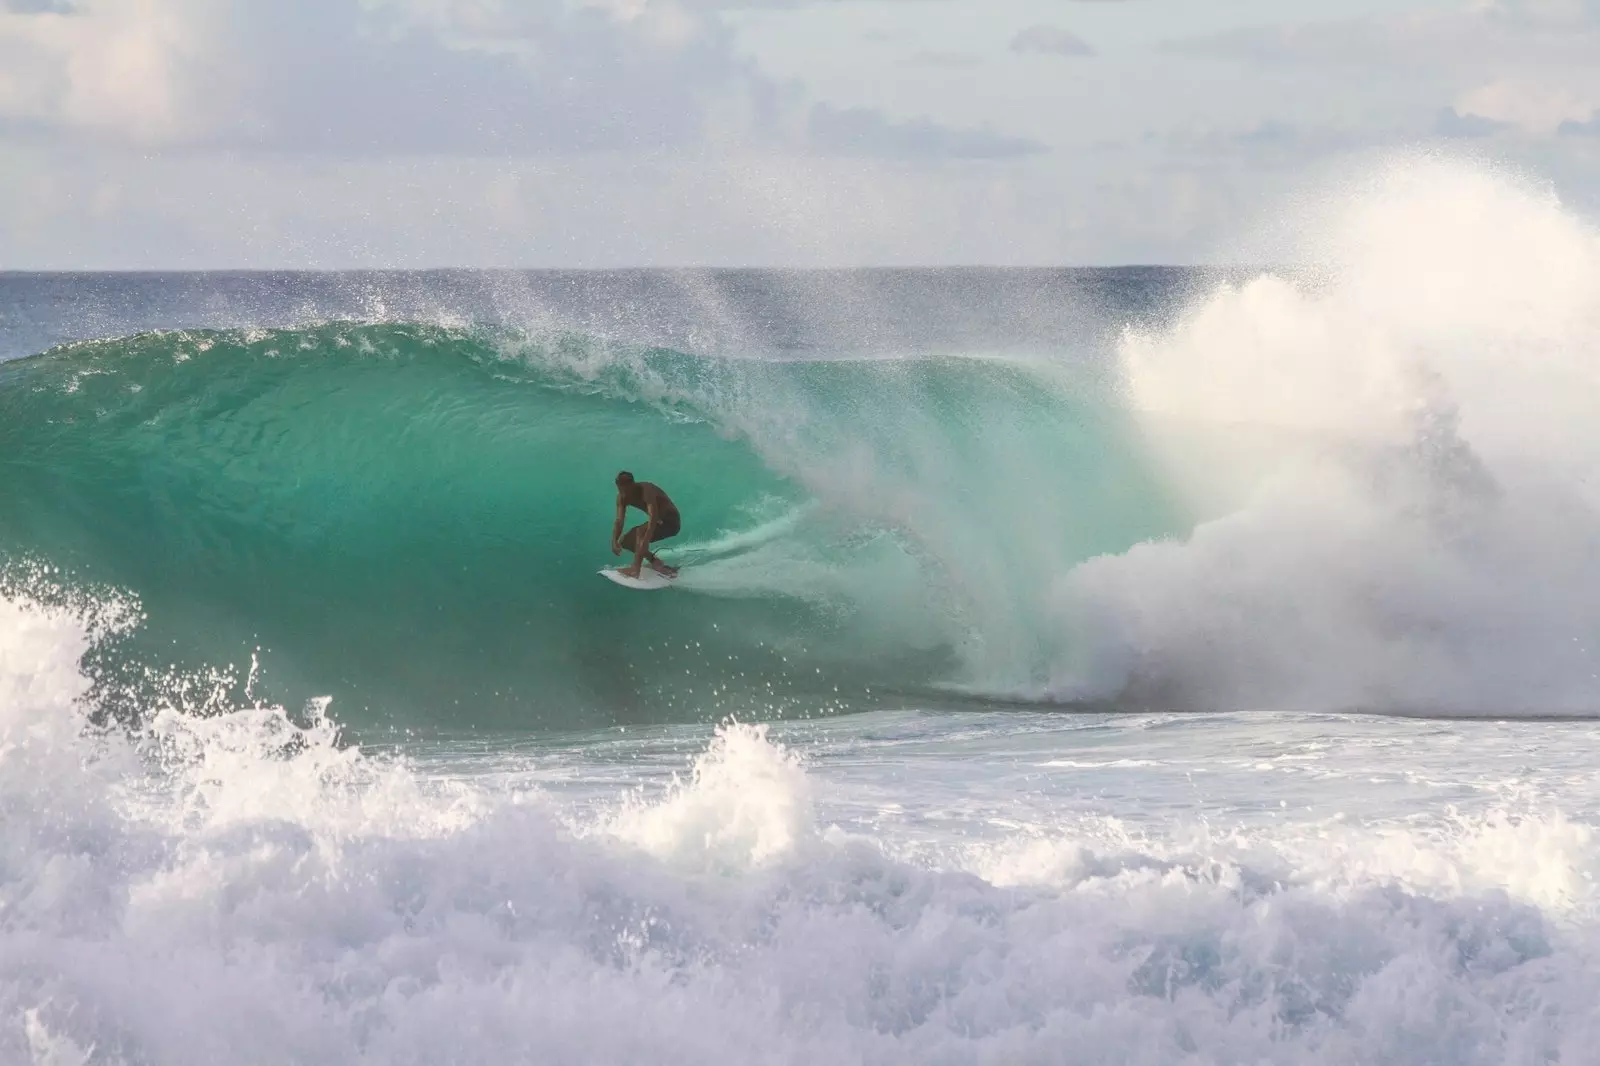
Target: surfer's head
{"points": [[624, 479]]}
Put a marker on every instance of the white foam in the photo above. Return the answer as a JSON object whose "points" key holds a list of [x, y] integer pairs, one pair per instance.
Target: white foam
{"points": [[1398, 462], [739, 541], [745, 804], [240, 888]]}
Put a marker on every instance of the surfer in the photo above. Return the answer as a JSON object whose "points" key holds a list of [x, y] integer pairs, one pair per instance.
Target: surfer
{"points": [[663, 523]]}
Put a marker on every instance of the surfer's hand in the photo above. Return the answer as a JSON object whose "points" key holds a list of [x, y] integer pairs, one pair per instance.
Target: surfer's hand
{"points": [[616, 549]]}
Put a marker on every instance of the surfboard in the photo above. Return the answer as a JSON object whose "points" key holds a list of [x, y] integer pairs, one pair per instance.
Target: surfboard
{"points": [[647, 581]]}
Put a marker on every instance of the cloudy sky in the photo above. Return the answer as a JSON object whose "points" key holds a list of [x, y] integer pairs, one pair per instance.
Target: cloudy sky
{"points": [[340, 133]]}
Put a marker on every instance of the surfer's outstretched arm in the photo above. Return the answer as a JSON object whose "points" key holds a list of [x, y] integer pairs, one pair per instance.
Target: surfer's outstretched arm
{"points": [[616, 527]]}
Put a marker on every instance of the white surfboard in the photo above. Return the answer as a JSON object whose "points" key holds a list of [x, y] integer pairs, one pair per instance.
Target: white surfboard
{"points": [[647, 581]]}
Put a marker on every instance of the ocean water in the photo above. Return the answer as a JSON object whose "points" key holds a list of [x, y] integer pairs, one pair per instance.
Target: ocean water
{"points": [[1149, 665]]}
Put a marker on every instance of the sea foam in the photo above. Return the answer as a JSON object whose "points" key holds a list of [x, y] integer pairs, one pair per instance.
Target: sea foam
{"points": [[239, 887], [1392, 454]]}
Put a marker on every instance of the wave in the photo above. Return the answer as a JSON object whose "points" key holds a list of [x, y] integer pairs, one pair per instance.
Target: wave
{"points": [[1369, 484], [408, 517]]}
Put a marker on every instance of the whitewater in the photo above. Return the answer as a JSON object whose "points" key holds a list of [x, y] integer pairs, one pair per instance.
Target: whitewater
{"points": [[1129, 666]]}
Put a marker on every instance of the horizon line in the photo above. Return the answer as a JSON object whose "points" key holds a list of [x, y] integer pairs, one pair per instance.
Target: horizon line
{"points": [[882, 269]]}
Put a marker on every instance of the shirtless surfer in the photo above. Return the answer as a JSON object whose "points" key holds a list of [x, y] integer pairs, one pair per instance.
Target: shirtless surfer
{"points": [[663, 523]]}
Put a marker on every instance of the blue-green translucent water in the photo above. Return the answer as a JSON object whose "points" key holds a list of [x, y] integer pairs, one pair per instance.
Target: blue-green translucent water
{"points": [[408, 518]]}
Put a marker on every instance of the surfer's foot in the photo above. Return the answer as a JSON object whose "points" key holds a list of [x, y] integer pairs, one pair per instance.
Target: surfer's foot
{"points": [[662, 568], [629, 571]]}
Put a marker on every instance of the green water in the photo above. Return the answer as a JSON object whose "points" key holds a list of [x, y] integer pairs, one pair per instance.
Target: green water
{"points": [[408, 518]]}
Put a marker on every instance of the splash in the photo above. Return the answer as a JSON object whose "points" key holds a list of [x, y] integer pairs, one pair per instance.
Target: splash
{"points": [[1397, 452], [244, 877], [745, 804]]}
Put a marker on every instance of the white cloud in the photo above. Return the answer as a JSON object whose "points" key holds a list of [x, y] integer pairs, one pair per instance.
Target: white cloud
{"points": [[140, 70], [453, 77], [1528, 65], [1543, 12], [1051, 40], [858, 131], [153, 133], [331, 75], [952, 59], [1534, 104]]}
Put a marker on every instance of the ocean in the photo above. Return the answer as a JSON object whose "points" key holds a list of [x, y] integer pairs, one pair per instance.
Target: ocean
{"points": [[1141, 666]]}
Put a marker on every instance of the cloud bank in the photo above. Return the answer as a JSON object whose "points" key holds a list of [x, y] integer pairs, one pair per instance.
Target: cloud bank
{"points": [[1532, 66], [449, 77]]}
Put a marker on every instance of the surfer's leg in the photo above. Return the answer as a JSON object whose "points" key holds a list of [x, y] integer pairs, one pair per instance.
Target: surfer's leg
{"points": [[663, 532], [630, 542], [657, 565]]}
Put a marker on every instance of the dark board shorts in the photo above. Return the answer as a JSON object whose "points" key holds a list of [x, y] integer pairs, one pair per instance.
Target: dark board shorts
{"points": [[668, 526]]}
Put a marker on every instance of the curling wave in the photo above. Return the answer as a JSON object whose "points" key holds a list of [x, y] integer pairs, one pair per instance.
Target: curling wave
{"points": [[408, 517]]}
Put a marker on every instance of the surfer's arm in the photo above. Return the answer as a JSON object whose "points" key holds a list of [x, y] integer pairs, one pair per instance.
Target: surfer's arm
{"points": [[616, 527]]}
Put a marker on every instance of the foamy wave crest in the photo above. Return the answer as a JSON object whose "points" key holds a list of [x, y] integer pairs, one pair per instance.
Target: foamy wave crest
{"points": [[239, 888], [746, 803], [1398, 456]]}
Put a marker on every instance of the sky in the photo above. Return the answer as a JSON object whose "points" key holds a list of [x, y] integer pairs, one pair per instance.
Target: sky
{"points": [[154, 134]]}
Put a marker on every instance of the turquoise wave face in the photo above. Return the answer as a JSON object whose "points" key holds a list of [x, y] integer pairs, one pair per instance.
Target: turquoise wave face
{"points": [[409, 518]]}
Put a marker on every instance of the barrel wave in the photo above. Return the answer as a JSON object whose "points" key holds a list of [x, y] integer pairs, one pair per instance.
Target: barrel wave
{"points": [[408, 518], [1368, 486]]}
